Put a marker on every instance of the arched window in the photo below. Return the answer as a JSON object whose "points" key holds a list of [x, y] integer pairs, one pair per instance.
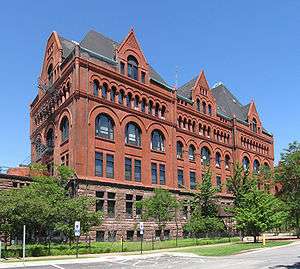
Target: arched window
{"points": [[218, 159], [209, 110], [128, 100], [179, 150], [163, 111], [246, 163], [104, 90], [256, 166], [150, 107], [205, 156], [112, 94], [50, 138], [136, 101], [121, 97], [143, 105], [192, 153], [204, 107], [104, 126], [133, 134], [157, 141], [156, 109], [132, 67], [227, 162], [64, 129], [50, 74], [198, 105], [254, 125], [96, 87]]}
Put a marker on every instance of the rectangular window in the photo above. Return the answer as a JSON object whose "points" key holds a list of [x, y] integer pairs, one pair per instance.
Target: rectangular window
{"points": [[129, 235], [100, 236], [110, 166], [99, 164], [219, 183], [128, 168], [111, 202], [129, 206], [99, 200], [138, 170], [122, 68], [67, 159], [192, 180], [138, 211], [180, 178], [112, 236], [154, 173], [143, 77], [162, 174]]}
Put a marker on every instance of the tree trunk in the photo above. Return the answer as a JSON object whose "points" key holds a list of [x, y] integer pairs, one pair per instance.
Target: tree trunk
{"points": [[297, 227], [255, 238]]}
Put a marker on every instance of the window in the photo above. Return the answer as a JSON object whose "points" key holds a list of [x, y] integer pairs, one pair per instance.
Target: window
{"points": [[50, 138], [113, 94], [156, 110], [162, 174], [121, 97], [129, 206], [192, 180], [138, 210], [256, 166], [138, 170], [198, 105], [104, 91], [204, 107], [246, 163], [227, 162], [192, 153], [99, 200], [254, 125], [104, 126], [180, 178], [157, 141], [128, 168], [154, 173], [136, 102], [143, 76], [129, 235], [50, 74], [163, 112], [179, 150], [100, 236], [128, 100], [150, 107], [209, 110], [132, 67], [219, 183], [99, 164], [111, 202], [205, 156], [96, 87], [218, 159], [122, 68], [112, 236], [133, 134], [143, 105], [64, 128], [110, 166]]}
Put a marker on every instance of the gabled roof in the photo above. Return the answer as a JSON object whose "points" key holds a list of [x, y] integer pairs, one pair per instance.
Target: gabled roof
{"points": [[103, 46], [186, 89]]}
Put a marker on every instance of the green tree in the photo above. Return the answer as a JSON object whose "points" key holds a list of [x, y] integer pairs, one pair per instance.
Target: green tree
{"points": [[161, 207], [288, 176], [258, 212], [204, 217]]}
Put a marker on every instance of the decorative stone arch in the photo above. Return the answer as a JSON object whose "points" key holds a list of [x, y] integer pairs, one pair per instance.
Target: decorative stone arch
{"points": [[98, 109], [65, 112], [132, 118], [182, 140], [155, 125], [51, 125]]}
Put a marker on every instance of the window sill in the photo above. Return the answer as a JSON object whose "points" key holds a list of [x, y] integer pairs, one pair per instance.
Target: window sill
{"points": [[192, 161], [133, 146], [105, 139], [158, 151], [64, 142]]}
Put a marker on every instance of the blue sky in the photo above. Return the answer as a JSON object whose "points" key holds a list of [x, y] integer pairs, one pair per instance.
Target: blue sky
{"points": [[253, 47]]}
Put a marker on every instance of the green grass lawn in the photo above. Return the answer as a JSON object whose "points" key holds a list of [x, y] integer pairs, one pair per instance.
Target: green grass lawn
{"points": [[231, 248], [37, 250]]}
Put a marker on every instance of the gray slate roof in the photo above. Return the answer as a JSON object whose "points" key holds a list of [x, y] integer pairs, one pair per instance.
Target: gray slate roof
{"points": [[227, 103], [104, 46]]}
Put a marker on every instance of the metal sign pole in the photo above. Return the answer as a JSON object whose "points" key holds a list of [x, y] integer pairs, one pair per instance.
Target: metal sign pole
{"points": [[24, 238], [77, 246], [0, 250]]}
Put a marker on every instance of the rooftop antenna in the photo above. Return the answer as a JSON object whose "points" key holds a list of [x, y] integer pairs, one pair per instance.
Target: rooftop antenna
{"points": [[176, 76]]}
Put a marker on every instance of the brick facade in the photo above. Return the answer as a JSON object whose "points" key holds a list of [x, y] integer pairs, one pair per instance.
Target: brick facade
{"points": [[79, 82]]}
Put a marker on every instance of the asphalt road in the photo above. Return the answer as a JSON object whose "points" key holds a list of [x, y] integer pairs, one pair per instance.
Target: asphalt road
{"points": [[287, 257]]}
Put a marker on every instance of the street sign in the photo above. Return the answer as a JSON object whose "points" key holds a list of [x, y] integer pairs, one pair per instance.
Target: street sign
{"points": [[77, 228], [141, 227]]}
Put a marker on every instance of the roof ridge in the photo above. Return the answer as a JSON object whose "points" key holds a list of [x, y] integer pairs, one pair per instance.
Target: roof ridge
{"points": [[194, 78], [100, 34]]}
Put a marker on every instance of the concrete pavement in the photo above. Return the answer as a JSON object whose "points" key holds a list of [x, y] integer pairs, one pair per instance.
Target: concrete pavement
{"points": [[287, 257]]}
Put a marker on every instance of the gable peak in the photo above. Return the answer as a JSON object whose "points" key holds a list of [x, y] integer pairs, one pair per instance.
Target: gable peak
{"points": [[201, 80]]}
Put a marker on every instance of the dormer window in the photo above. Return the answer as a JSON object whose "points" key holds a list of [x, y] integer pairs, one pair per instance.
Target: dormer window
{"points": [[254, 125], [132, 67]]}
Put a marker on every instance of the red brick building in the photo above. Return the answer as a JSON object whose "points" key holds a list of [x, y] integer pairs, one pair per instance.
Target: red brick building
{"points": [[103, 110]]}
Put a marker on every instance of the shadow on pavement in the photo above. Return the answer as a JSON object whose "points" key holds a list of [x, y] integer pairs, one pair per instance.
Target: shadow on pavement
{"points": [[291, 266]]}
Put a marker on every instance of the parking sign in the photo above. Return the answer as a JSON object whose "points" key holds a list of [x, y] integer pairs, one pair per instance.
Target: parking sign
{"points": [[141, 227], [77, 228]]}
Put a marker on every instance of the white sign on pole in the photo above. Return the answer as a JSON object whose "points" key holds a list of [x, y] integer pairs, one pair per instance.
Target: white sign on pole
{"points": [[77, 228], [141, 227]]}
